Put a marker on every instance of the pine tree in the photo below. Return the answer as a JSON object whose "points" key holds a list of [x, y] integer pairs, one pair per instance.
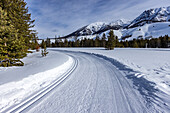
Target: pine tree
{"points": [[48, 43], [10, 45], [103, 42], [56, 42], [85, 42], [126, 44], [135, 44], [91, 43], [117, 44], [61, 44], [42, 44], [15, 33], [20, 19], [111, 41], [44, 52], [65, 43], [77, 43], [97, 41]]}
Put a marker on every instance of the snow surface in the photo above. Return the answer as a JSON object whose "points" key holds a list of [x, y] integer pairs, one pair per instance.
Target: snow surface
{"points": [[122, 80], [17, 83], [152, 64], [154, 30], [95, 26], [97, 86], [121, 22], [34, 62]]}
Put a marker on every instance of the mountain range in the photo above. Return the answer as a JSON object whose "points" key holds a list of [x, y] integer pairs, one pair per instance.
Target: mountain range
{"points": [[145, 25]]}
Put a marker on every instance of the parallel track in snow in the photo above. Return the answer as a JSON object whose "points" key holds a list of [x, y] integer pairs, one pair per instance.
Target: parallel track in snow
{"points": [[31, 100]]}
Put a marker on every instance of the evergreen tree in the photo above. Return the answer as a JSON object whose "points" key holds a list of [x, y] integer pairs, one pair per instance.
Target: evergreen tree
{"points": [[48, 43], [142, 43], [135, 44], [17, 12], [126, 44], [42, 44], [97, 41], [56, 42], [85, 42], [65, 43], [91, 43], [103, 42], [117, 44], [61, 44], [77, 43], [11, 46], [111, 41], [15, 33], [53, 44], [44, 52], [121, 44]]}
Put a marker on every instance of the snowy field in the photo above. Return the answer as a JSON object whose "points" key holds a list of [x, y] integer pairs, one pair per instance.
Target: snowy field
{"points": [[17, 83], [152, 64], [102, 81]]}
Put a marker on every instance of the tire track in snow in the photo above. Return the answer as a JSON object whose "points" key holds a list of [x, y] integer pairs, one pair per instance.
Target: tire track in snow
{"points": [[28, 102]]}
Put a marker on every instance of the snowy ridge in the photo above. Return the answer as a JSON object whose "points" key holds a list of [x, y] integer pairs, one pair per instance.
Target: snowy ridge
{"points": [[161, 14], [121, 22], [93, 28], [99, 27]]}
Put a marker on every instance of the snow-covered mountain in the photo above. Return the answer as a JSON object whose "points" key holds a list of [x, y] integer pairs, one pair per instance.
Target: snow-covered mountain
{"points": [[153, 30], [151, 23], [93, 28], [99, 27], [161, 14], [121, 22]]}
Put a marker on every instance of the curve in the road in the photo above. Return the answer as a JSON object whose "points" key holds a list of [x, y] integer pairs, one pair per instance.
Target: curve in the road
{"points": [[95, 86]]}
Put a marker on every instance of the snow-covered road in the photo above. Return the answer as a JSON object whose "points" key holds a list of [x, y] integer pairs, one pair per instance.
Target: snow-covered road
{"points": [[97, 86]]}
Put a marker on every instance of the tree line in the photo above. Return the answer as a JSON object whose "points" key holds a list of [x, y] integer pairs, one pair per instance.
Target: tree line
{"points": [[16, 35], [110, 42]]}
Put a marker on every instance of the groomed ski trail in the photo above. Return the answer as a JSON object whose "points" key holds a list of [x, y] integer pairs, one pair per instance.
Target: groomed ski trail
{"points": [[37, 96], [96, 86]]}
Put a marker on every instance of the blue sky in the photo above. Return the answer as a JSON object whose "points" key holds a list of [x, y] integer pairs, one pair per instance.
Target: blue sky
{"points": [[61, 17]]}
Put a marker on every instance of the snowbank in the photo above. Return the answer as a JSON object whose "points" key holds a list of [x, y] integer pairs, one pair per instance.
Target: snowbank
{"points": [[13, 92], [34, 63]]}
